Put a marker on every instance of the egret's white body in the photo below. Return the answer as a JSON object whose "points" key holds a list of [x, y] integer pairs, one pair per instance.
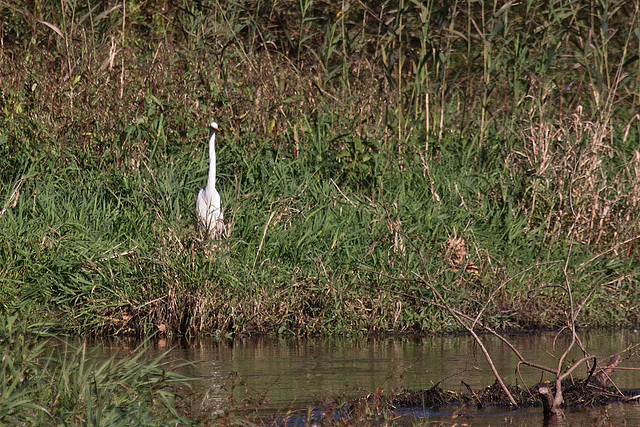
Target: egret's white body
{"points": [[208, 203]]}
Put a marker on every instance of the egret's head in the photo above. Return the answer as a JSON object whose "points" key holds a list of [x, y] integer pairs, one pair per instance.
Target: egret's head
{"points": [[214, 126]]}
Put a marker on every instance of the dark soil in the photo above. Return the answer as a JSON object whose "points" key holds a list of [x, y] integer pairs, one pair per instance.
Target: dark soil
{"points": [[377, 408], [574, 393]]}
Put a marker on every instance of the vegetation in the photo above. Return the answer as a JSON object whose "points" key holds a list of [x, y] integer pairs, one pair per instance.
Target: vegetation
{"points": [[42, 384], [373, 155]]}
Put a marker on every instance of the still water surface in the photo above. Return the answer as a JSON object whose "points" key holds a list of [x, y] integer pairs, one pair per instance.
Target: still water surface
{"points": [[294, 374]]}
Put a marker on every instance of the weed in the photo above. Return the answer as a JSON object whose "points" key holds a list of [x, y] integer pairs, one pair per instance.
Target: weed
{"points": [[46, 384]]}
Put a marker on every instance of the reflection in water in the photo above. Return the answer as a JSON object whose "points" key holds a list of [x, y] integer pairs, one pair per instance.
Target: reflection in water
{"points": [[293, 374]]}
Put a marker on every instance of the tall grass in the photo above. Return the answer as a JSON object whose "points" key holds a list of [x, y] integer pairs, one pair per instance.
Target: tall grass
{"points": [[364, 146], [45, 384]]}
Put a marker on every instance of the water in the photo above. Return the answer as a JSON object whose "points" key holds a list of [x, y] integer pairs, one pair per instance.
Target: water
{"points": [[295, 374]]}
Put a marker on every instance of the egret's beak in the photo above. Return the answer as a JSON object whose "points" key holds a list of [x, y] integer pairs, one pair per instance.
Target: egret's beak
{"points": [[213, 128]]}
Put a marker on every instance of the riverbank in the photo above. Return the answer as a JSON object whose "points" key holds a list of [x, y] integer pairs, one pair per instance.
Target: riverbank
{"points": [[373, 164]]}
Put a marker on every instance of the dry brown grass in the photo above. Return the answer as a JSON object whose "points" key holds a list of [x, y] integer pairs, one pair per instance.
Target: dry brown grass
{"points": [[574, 192]]}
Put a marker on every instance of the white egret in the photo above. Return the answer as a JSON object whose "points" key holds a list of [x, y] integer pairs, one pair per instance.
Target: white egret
{"points": [[208, 203]]}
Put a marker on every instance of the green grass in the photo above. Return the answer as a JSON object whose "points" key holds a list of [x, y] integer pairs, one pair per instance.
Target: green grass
{"points": [[367, 154], [47, 384]]}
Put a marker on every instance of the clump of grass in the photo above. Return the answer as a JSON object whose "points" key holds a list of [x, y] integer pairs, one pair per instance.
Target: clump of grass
{"points": [[45, 384], [361, 142]]}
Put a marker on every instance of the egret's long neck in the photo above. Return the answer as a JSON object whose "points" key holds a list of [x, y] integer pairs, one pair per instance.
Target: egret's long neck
{"points": [[211, 182]]}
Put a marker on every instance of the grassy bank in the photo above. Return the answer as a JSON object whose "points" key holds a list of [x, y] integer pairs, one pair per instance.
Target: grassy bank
{"points": [[370, 155]]}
